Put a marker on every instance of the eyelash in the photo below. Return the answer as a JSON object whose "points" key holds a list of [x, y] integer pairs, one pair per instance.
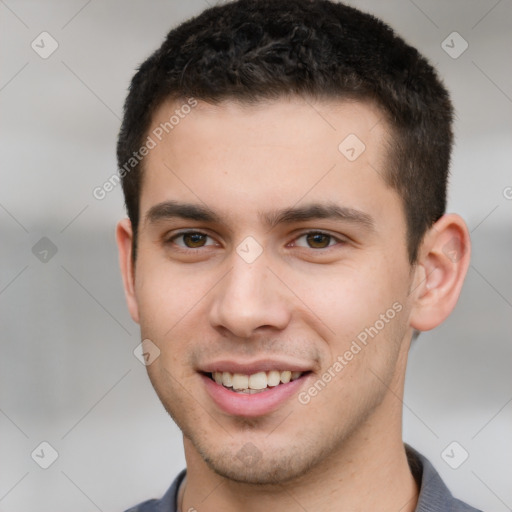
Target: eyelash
{"points": [[306, 233]]}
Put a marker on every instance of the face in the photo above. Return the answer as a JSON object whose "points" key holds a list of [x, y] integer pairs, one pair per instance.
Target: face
{"points": [[272, 275]]}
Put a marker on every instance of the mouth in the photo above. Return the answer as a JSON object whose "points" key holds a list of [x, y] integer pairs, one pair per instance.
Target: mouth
{"points": [[254, 392], [256, 382]]}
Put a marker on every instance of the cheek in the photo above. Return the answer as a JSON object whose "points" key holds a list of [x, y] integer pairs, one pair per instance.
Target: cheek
{"points": [[367, 322], [364, 316], [172, 304], [165, 297], [350, 299]]}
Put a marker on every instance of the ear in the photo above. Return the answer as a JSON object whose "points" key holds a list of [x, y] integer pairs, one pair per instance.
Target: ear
{"points": [[124, 237], [442, 264]]}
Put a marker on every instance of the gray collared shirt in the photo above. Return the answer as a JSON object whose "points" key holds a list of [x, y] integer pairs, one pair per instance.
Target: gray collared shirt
{"points": [[434, 495]]}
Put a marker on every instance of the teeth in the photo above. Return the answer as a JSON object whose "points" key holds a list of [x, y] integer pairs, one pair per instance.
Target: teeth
{"points": [[227, 379], [256, 382], [273, 378], [286, 376], [240, 381]]}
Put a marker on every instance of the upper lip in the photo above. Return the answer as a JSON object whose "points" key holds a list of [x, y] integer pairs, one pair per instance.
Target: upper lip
{"points": [[249, 368]]}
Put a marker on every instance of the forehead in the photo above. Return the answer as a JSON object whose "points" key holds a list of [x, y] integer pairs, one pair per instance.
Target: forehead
{"points": [[274, 153]]}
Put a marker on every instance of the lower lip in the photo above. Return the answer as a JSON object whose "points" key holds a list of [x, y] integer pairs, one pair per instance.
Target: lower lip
{"points": [[257, 404]]}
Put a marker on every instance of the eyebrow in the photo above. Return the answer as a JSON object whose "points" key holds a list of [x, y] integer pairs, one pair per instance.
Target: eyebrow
{"points": [[313, 211]]}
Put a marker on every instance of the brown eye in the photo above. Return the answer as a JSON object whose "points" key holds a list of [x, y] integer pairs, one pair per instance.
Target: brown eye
{"points": [[194, 240], [316, 240], [191, 240]]}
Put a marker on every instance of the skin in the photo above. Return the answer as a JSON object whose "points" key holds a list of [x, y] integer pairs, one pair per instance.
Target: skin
{"points": [[297, 302]]}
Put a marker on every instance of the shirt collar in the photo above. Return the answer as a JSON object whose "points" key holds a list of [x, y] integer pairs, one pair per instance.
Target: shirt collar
{"points": [[434, 495]]}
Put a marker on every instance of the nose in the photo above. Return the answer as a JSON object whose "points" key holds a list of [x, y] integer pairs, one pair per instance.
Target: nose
{"points": [[249, 299]]}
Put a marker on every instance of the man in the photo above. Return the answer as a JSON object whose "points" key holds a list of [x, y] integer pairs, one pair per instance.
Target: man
{"points": [[284, 166]]}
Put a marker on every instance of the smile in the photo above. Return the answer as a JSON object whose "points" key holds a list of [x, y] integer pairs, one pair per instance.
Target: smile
{"points": [[256, 382], [253, 392]]}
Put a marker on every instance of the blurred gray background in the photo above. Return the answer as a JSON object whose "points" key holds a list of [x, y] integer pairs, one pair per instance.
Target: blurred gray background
{"points": [[68, 374]]}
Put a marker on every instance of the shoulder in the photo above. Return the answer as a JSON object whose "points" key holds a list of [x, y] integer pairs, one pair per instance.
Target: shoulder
{"points": [[434, 495], [166, 504]]}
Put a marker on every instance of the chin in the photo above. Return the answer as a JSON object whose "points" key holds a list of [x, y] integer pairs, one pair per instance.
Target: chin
{"points": [[262, 473], [268, 467]]}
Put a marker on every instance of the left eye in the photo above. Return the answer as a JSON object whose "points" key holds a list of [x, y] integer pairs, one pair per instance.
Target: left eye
{"points": [[316, 240], [191, 240]]}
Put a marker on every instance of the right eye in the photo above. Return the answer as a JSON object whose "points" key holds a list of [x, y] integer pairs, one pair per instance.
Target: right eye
{"points": [[190, 239]]}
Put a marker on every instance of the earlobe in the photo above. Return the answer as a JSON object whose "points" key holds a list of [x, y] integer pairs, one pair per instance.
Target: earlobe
{"points": [[124, 238], [441, 268]]}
